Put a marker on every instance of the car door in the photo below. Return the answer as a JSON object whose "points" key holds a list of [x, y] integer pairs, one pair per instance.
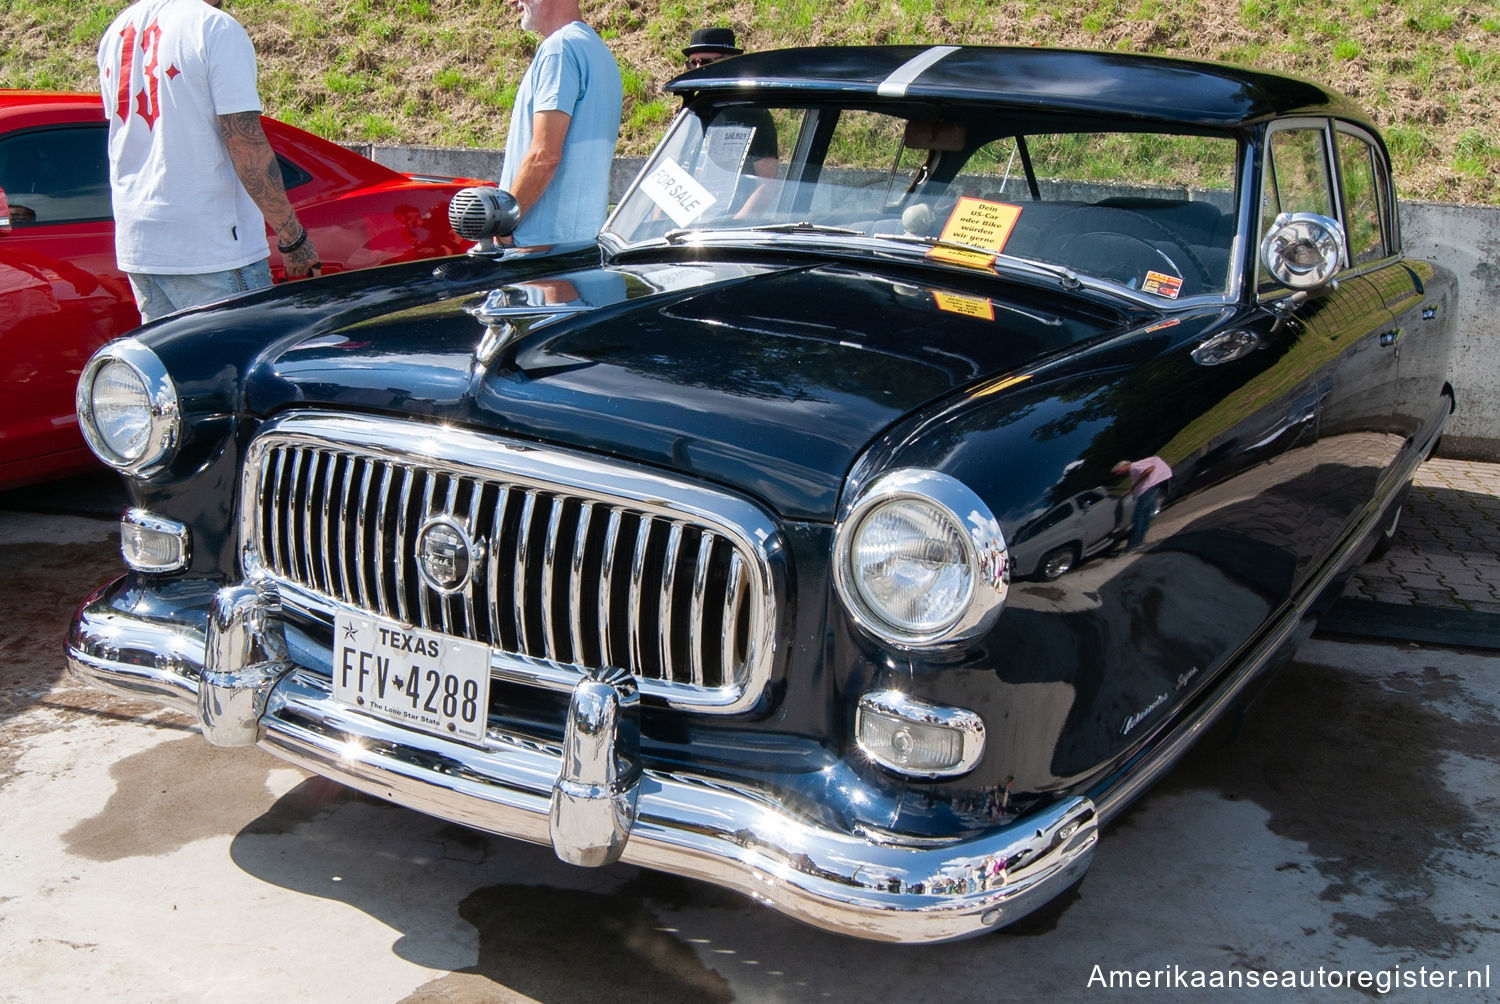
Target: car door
{"points": [[61, 294], [1347, 326], [1417, 301]]}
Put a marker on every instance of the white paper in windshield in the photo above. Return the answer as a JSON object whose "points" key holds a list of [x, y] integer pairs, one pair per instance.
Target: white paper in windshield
{"points": [[676, 192]]}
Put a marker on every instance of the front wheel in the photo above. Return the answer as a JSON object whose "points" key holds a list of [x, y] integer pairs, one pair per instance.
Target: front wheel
{"points": [[1057, 562]]}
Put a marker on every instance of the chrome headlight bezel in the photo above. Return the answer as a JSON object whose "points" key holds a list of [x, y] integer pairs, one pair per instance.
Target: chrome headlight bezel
{"points": [[977, 534], [160, 415]]}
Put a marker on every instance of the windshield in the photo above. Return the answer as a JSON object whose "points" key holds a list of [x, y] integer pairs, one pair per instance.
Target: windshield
{"points": [[1153, 212]]}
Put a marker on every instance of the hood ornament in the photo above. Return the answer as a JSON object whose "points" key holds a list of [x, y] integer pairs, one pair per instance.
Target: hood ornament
{"points": [[511, 310]]}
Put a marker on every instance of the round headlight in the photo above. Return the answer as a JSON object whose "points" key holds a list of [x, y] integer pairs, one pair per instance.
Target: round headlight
{"points": [[910, 564], [919, 560], [122, 410], [127, 407]]}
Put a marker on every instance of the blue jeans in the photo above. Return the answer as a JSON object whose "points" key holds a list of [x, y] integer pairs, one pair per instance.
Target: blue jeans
{"points": [[1145, 512], [156, 295]]}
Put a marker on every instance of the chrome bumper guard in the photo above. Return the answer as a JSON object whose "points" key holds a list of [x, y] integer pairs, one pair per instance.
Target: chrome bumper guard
{"points": [[589, 799]]}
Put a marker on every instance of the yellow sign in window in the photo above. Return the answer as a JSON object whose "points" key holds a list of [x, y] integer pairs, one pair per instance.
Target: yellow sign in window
{"points": [[979, 224]]}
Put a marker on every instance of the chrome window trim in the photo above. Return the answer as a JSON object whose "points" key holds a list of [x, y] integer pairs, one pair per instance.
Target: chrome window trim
{"points": [[531, 468]]}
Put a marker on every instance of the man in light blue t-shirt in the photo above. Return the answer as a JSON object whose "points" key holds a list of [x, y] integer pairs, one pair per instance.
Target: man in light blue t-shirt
{"points": [[563, 128]]}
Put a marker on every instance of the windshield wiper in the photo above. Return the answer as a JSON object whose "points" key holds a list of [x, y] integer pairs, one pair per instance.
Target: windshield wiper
{"points": [[1069, 278], [805, 226]]}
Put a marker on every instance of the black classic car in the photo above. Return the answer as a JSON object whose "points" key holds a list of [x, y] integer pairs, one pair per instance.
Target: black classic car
{"points": [[689, 549]]}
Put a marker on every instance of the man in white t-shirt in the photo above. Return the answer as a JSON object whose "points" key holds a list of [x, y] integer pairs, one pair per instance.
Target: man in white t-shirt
{"points": [[563, 128], [193, 179]]}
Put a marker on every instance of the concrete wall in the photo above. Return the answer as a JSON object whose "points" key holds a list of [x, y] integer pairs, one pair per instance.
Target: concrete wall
{"points": [[1466, 239]]}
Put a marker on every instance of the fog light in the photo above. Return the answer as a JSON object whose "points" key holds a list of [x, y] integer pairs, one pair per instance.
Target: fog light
{"points": [[916, 737], [151, 544]]}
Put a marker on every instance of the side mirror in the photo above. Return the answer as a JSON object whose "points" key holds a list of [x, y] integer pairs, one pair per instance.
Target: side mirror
{"points": [[4, 212], [1303, 251]]}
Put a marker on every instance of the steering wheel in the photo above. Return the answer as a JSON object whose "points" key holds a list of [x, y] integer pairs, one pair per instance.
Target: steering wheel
{"points": [[1061, 231], [1118, 257]]}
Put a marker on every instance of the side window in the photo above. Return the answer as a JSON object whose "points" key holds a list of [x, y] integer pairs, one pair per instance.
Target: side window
{"points": [[291, 174], [994, 172], [56, 175], [1297, 179], [1365, 200]]}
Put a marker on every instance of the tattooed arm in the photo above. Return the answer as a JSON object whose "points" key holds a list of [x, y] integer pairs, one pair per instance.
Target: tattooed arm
{"points": [[255, 163]]}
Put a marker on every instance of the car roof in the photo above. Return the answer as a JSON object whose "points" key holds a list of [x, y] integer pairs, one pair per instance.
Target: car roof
{"points": [[1145, 88], [18, 108]]}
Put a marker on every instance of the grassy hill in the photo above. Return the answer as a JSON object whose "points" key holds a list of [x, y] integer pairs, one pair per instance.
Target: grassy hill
{"points": [[444, 72]]}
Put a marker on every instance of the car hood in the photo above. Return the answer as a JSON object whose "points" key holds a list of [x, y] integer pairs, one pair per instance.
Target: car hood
{"points": [[770, 379]]}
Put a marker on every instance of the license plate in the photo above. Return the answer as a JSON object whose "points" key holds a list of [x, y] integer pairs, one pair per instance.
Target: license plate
{"points": [[414, 678]]}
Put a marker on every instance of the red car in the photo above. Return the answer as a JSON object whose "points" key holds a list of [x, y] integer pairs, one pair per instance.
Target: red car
{"points": [[61, 295]]}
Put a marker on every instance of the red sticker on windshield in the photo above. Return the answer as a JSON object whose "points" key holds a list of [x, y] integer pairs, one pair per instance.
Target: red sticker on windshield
{"points": [[1162, 284]]}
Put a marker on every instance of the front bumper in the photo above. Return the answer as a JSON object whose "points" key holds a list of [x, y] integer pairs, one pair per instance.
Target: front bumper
{"points": [[589, 798]]}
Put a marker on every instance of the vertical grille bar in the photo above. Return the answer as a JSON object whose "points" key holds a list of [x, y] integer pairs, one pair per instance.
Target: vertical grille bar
{"points": [[384, 601], [471, 621], [305, 509], [325, 518], [273, 529], [492, 565], [523, 545], [733, 597], [362, 530], [403, 610], [445, 607], [668, 587], [637, 583], [695, 623], [606, 588], [337, 545], [575, 580], [424, 602], [293, 553], [550, 646]]}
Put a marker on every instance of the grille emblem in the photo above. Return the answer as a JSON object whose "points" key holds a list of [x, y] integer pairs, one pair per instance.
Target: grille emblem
{"points": [[446, 555]]}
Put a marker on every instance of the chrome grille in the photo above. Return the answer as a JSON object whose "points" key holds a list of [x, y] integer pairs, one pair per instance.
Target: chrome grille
{"points": [[579, 564]]}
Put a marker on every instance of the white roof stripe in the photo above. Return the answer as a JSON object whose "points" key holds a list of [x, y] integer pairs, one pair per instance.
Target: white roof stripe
{"points": [[896, 84]]}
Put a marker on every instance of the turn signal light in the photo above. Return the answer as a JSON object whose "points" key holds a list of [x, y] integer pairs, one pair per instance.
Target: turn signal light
{"points": [[151, 544], [916, 737]]}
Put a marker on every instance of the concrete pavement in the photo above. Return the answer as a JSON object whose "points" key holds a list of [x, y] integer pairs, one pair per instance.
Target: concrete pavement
{"points": [[1439, 583]]}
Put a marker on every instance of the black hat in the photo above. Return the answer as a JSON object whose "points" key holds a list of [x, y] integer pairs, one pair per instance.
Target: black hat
{"points": [[720, 40]]}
